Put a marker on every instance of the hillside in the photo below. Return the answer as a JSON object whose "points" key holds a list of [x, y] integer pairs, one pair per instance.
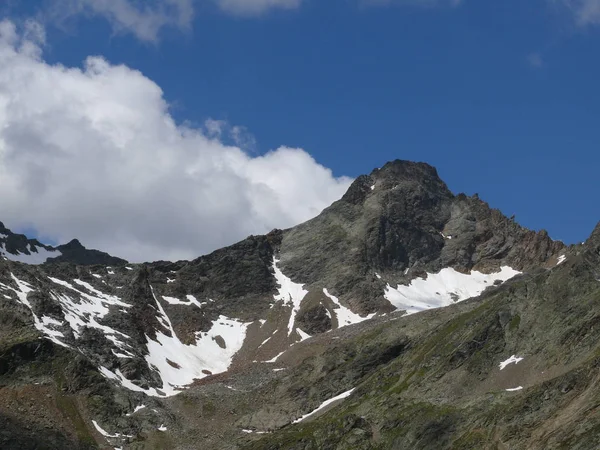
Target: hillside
{"points": [[415, 317]]}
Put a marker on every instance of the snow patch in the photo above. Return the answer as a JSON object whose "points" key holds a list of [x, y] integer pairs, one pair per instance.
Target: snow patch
{"points": [[179, 364], [265, 341], [290, 293], [515, 389], [513, 359], [274, 359], [443, 289], [38, 255], [561, 259], [108, 435], [191, 300], [344, 315], [326, 403], [303, 336], [44, 324], [86, 309]]}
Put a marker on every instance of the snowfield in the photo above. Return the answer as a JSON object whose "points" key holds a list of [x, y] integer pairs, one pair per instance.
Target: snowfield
{"points": [[323, 405], [179, 364], [289, 293], [38, 255], [443, 289]]}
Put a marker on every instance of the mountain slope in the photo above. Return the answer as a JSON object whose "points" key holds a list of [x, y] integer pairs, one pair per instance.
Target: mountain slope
{"points": [[514, 368], [17, 247], [199, 340]]}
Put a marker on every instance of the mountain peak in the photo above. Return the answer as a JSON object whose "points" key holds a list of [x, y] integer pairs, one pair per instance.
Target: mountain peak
{"points": [[404, 177], [74, 244], [18, 247]]}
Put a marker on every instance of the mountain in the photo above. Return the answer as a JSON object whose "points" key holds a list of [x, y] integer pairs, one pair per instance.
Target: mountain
{"points": [[403, 316], [17, 247]]}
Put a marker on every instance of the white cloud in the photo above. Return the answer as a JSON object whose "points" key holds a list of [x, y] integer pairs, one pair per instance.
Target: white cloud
{"points": [[93, 153], [586, 12], [143, 18], [255, 7]]}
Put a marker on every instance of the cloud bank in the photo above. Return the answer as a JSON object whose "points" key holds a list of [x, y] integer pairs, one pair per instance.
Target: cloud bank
{"points": [[94, 153]]}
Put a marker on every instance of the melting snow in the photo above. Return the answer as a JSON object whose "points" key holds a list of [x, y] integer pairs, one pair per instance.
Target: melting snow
{"points": [[289, 292], [561, 259], [106, 434], [179, 364], [265, 341], [303, 336], [191, 300], [38, 255], [443, 289], [122, 355], [513, 359], [515, 389], [42, 324], [127, 384], [137, 408], [162, 428], [344, 315], [272, 360], [88, 309], [325, 404]]}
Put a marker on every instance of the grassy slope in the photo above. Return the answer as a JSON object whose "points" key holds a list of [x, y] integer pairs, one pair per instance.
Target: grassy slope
{"points": [[444, 389]]}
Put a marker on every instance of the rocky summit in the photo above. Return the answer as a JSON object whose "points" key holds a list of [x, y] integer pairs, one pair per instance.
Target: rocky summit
{"points": [[401, 317]]}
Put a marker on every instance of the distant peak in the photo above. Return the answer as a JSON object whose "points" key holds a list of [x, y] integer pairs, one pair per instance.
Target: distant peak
{"points": [[72, 245], [398, 174], [594, 238], [406, 170]]}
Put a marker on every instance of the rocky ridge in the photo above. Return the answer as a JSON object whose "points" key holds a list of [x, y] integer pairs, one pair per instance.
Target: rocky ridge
{"points": [[317, 301]]}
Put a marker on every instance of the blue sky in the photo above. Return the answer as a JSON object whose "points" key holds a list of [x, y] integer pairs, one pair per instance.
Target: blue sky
{"points": [[500, 96]]}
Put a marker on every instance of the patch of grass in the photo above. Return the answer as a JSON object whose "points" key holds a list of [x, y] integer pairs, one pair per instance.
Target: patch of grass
{"points": [[68, 407], [470, 440], [514, 323]]}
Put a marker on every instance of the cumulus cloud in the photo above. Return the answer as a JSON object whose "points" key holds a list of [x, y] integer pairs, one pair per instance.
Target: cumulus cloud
{"points": [[143, 18], [94, 153]]}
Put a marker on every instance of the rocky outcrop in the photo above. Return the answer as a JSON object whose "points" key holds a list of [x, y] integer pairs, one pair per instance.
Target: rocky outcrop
{"points": [[120, 332]]}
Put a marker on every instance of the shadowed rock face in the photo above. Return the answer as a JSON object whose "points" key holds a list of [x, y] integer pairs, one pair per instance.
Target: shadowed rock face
{"points": [[402, 221], [73, 252], [396, 224]]}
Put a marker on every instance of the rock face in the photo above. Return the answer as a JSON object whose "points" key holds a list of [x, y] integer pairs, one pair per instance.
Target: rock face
{"points": [[402, 221], [129, 352], [17, 247]]}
